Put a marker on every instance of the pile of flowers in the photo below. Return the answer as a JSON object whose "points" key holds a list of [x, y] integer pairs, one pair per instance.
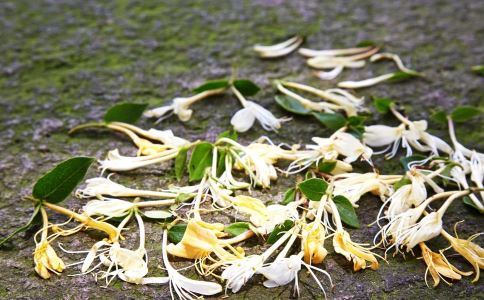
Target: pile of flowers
{"points": [[221, 175]]}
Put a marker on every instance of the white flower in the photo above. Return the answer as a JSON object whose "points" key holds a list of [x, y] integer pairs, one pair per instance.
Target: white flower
{"points": [[353, 187], [347, 145], [366, 82], [382, 135], [281, 272], [397, 61], [330, 75], [117, 162], [167, 138], [99, 186], [245, 118], [429, 227], [333, 52], [109, 208], [184, 287], [275, 214], [240, 271], [280, 49]]}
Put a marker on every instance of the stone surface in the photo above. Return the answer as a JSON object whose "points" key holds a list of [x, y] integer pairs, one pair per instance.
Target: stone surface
{"points": [[63, 63]]}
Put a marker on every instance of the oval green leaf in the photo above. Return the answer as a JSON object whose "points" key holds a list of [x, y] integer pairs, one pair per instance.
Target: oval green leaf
{"points": [[439, 117], [246, 87], [180, 163], [58, 183], [313, 188], [464, 113], [176, 233], [212, 85], [333, 121], [326, 166], [346, 211], [382, 105], [125, 112], [289, 196], [279, 230], [201, 159], [292, 105], [237, 228]]}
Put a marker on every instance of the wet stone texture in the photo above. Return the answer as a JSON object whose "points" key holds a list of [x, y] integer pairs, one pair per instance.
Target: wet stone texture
{"points": [[63, 63]]}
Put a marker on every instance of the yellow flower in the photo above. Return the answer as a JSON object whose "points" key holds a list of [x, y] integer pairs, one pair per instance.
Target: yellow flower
{"points": [[472, 252], [46, 260], [313, 236], [199, 241], [353, 252], [439, 266]]}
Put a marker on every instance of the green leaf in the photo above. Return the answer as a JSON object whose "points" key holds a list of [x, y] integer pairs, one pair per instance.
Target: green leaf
{"points": [[279, 230], [246, 87], [464, 113], [229, 134], [125, 112], [23, 228], [180, 163], [332, 121], [355, 121], [439, 117], [406, 160], [176, 233], [346, 211], [326, 166], [222, 153], [157, 214], [479, 70], [403, 181], [382, 105], [58, 183], [237, 228], [292, 105], [182, 197], [212, 85], [201, 159], [313, 188], [289, 196], [467, 201], [402, 76]]}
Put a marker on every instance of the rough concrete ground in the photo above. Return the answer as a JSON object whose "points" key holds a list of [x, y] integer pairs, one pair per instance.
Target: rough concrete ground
{"points": [[65, 62]]}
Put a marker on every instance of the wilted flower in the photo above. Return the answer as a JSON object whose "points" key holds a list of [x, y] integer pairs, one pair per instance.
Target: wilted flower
{"points": [[330, 59], [396, 59], [429, 227], [355, 185], [472, 252], [279, 50], [117, 162], [312, 241], [181, 106], [439, 267], [184, 287], [353, 251], [274, 215]]}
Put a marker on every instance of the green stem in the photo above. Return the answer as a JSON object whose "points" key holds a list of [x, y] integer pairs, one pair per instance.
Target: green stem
{"points": [[87, 125]]}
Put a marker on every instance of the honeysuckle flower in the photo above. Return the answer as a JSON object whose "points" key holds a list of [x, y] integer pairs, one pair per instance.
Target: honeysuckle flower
{"points": [[411, 134], [333, 52], [184, 287], [245, 118], [396, 59], [327, 61], [45, 257], [109, 208], [166, 137], [329, 149], [259, 170], [439, 267], [354, 252], [429, 227], [459, 149], [180, 106], [280, 49], [274, 215], [281, 272], [100, 186], [472, 252], [116, 162], [355, 185], [200, 240], [312, 241], [238, 272], [337, 99]]}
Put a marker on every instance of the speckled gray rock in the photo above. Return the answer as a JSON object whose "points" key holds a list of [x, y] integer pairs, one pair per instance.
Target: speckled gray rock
{"points": [[64, 62]]}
